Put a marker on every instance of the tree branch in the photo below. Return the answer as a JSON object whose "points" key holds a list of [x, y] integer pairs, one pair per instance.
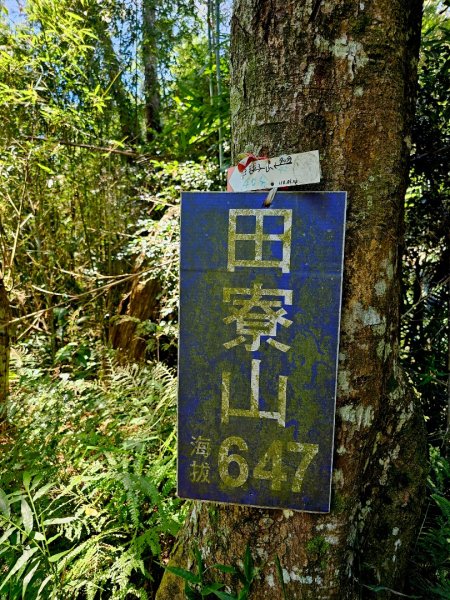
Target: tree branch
{"points": [[129, 153], [97, 290]]}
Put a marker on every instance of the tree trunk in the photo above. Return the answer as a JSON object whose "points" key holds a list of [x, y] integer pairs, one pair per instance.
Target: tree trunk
{"points": [[137, 306], [5, 318], [337, 76], [151, 86], [127, 115]]}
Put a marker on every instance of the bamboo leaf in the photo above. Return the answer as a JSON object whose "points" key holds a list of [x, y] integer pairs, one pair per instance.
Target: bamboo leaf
{"points": [[224, 595], [225, 569], [38, 478], [187, 575], [211, 588], [73, 15], [44, 168], [28, 577], [27, 515], [26, 480], [41, 491], [58, 556], [6, 535], [59, 521], [248, 565], [43, 584], [4, 504], [21, 561]]}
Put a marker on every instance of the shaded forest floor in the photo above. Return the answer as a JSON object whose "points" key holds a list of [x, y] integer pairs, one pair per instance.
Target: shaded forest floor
{"points": [[88, 478]]}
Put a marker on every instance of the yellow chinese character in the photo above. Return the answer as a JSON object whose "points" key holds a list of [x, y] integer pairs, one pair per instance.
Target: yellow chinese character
{"points": [[202, 446], [199, 472], [258, 237], [257, 313], [254, 412]]}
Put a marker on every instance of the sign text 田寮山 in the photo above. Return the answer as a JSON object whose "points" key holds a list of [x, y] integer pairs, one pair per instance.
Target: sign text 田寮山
{"points": [[260, 300]]}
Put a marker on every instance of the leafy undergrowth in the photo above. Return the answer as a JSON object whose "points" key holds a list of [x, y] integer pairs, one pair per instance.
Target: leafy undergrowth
{"points": [[87, 471], [431, 556]]}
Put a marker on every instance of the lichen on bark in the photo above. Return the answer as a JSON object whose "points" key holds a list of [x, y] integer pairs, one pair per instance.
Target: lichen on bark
{"points": [[337, 76]]}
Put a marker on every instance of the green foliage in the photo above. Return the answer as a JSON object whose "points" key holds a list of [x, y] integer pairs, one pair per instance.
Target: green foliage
{"points": [[95, 508], [198, 586], [87, 506], [426, 289], [28, 539], [432, 554], [192, 115], [427, 210], [69, 75], [280, 576], [43, 65], [154, 245]]}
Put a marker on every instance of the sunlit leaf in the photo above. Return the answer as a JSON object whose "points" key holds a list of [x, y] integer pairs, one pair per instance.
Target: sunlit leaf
{"points": [[42, 491], [42, 586], [57, 557], [187, 575], [59, 520], [6, 534], [26, 480], [4, 504], [27, 515]]}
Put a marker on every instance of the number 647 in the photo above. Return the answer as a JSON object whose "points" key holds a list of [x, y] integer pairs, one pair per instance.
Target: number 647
{"points": [[270, 466]]}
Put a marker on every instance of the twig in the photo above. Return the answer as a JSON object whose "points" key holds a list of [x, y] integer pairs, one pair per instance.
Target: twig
{"points": [[97, 291], [8, 197], [437, 151], [119, 279], [162, 203], [18, 229], [29, 328], [97, 276], [387, 589], [423, 298], [39, 289], [109, 150], [315, 10], [119, 233]]}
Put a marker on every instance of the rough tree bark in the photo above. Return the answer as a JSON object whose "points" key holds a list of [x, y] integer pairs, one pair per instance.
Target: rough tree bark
{"points": [[337, 76], [137, 306]]}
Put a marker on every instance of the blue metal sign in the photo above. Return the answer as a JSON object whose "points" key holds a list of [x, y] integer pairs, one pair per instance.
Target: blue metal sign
{"points": [[259, 326]]}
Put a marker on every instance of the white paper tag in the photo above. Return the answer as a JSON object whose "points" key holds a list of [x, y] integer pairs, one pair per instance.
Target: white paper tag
{"points": [[282, 171]]}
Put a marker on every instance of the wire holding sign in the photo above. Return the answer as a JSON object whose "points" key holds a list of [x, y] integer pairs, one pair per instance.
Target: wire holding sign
{"points": [[259, 324]]}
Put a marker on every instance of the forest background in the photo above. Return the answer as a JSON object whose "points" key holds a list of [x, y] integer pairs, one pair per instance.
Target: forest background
{"points": [[109, 108]]}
